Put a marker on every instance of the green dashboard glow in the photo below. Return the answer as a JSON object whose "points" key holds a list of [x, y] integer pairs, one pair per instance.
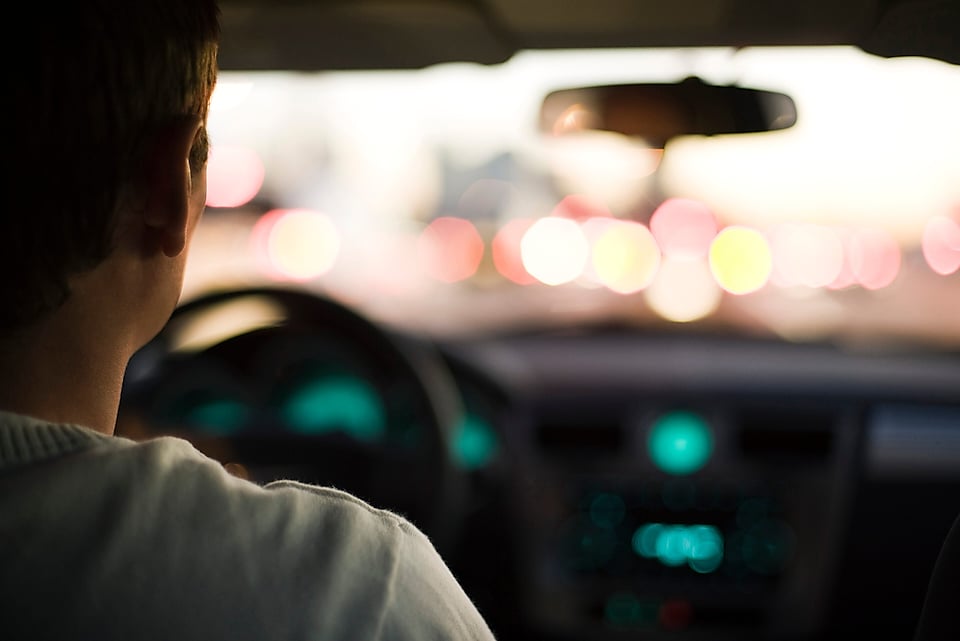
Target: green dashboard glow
{"points": [[698, 546], [333, 403], [218, 415], [473, 443], [326, 403], [680, 442]]}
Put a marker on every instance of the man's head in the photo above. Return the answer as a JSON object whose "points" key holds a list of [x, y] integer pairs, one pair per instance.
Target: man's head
{"points": [[106, 95]]}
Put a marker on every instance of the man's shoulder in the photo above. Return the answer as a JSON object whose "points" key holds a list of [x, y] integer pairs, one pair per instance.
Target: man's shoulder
{"points": [[177, 476], [167, 480], [168, 531]]}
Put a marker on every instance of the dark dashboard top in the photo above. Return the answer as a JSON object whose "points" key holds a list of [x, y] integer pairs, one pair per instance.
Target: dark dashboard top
{"points": [[671, 361]]}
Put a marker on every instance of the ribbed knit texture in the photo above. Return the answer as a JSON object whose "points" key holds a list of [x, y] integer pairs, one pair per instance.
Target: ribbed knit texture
{"points": [[24, 440]]}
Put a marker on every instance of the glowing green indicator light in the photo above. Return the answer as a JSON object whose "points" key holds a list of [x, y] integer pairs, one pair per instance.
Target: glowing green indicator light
{"points": [[474, 443], [218, 416], [336, 403], [645, 540], [680, 443], [698, 546], [673, 546]]}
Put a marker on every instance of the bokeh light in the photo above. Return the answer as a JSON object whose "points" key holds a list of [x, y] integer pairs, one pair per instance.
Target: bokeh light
{"points": [[683, 291], [845, 277], [941, 245], [807, 255], [296, 244], [683, 227], [234, 176], [675, 614], [698, 546], [626, 257], [740, 260], [450, 249], [554, 250], [645, 539], [218, 415], [506, 251], [874, 258], [593, 229], [680, 442], [474, 442]]}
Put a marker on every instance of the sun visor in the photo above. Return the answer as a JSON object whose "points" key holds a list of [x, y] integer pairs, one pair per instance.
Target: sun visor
{"points": [[925, 28], [363, 34]]}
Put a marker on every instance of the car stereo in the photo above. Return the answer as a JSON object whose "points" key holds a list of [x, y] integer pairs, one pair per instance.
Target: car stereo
{"points": [[714, 519]]}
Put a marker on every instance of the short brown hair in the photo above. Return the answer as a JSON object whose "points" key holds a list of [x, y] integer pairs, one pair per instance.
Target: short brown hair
{"points": [[91, 85]]}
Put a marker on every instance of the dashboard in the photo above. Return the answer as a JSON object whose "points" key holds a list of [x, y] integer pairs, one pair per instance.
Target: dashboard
{"points": [[723, 488], [594, 482]]}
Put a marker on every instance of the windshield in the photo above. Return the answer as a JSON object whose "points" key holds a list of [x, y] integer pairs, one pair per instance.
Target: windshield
{"points": [[430, 199]]}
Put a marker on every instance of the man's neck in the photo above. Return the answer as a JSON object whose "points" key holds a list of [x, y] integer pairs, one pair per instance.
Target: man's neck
{"points": [[67, 369]]}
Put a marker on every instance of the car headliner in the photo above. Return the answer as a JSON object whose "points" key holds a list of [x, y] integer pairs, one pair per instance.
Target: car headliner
{"points": [[313, 35]]}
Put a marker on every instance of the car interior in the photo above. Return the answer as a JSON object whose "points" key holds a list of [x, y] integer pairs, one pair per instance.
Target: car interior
{"points": [[646, 312]]}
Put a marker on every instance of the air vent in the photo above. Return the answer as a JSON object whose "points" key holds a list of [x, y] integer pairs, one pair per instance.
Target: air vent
{"points": [[786, 433]]}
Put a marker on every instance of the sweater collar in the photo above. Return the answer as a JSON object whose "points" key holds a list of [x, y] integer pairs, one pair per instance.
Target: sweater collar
{"points": [[25, 440]]}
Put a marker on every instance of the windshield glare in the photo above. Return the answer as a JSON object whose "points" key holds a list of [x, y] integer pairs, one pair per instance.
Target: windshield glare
{"points": [[430, 199]]}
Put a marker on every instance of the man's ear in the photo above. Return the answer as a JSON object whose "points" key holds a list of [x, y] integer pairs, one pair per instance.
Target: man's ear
{"points": [[168, 185]]}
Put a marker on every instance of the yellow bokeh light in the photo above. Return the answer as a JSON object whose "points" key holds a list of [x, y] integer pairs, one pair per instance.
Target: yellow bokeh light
{"points": [[626, 257], [302, 244], [740, 260], [554, 250]]}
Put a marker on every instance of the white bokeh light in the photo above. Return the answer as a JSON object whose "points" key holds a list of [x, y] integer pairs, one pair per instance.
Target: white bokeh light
{"points": [[554, 250]]}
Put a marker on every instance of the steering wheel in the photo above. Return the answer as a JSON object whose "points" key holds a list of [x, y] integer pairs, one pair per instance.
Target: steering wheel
{"points": [[281, 383]]}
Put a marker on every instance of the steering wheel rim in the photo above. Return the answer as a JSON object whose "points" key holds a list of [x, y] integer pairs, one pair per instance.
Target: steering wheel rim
{"points": [[305, 313]]}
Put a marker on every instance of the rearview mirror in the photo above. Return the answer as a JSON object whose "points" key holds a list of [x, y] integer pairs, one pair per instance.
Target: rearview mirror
{"points": [[658, 112]]}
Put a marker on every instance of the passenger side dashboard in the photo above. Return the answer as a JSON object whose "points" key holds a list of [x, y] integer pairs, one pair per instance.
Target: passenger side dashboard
{"points": [[764, 535]]}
